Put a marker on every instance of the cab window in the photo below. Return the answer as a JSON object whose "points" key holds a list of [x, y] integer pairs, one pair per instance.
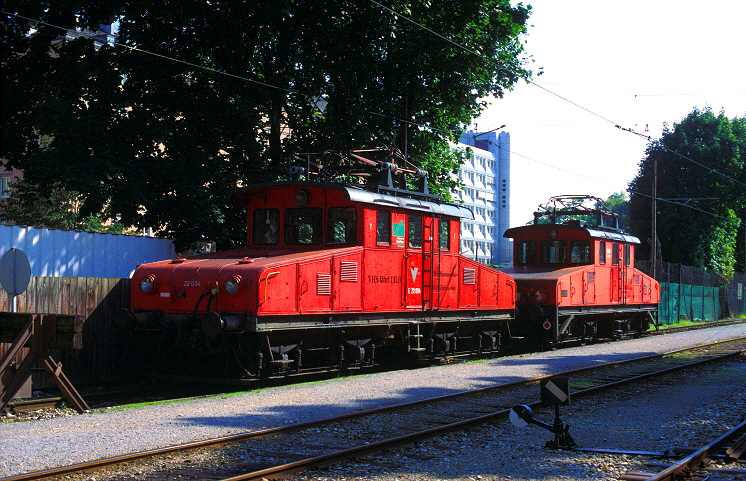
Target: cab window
{"points": [[303, 226], [444, 234], [526, 252], [383, 227], [342, 225], [415, 230], [615, 254], [553, 251], [627, 256], [265, 227], [602, 252], [580, 252]]}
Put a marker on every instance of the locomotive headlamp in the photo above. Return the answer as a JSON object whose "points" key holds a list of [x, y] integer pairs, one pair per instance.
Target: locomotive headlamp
{"points": [[541, 296], [147, 283], [302, 198], [231, 285], [552, 234]]}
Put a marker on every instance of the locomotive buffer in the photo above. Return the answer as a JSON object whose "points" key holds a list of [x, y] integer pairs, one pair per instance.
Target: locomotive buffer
{"points": [[554, 391]]}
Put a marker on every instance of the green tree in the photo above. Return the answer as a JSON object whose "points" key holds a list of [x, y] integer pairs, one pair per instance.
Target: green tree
{"points": [[231, 89], [60, 209], [618, 203], [700, 193]]}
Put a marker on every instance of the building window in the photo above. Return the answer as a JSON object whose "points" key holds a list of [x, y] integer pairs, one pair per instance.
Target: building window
{"points": [[5, 183]]}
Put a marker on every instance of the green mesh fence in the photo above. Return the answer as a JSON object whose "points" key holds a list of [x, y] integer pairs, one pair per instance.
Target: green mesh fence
{"points": [[694, 294], [688, 302]]}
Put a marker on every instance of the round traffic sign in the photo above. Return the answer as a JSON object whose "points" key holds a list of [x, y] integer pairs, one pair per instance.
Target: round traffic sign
{"points": [[520, 415], [15, 271]]}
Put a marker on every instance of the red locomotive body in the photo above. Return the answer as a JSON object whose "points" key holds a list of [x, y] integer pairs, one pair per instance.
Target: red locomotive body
{"points": [[578, 282], [331, 273]]}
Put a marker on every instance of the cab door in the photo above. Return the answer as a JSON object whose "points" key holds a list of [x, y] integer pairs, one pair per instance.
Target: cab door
{"points": [[615, 275], [626, 279], [413, 272], [430, 264]]}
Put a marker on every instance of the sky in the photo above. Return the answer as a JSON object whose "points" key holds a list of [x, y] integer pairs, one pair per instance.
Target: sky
{"points": [[636, 64]]}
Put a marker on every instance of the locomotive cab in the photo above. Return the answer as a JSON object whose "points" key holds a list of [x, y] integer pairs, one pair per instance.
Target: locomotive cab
{"points": [[574, 268]]}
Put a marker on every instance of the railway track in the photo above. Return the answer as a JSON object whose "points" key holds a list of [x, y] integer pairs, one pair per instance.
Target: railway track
{"points": [[280, 451], [139, 394], [729, 447]]}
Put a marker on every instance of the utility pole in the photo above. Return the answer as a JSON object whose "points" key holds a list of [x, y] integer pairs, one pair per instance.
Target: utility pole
{"points": [[654, 235]]}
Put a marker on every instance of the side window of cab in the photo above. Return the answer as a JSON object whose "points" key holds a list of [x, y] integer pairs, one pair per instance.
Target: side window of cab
{"points": [[383, 227]]}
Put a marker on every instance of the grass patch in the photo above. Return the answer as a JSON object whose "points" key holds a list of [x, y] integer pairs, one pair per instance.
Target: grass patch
{"points": [[683, 323]]}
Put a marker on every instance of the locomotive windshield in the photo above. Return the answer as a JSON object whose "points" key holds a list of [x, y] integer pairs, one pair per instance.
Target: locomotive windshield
{"points": [[553, 251], [265, 228], [526, 252], [303, 225]]}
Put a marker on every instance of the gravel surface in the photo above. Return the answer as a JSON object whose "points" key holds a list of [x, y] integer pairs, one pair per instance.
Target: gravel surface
{"points": [[29, 446]]}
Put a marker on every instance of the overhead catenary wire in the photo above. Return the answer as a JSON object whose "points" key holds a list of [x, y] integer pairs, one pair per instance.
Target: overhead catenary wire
{"points": [[531, 82], [92, 36], [669, 201]]}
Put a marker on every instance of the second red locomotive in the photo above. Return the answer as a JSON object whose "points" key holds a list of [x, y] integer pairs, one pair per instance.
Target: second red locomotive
{"points": [[576, 279]]}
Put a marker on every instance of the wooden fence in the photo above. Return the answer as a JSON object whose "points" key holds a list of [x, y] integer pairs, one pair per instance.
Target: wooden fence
{"points": [[105, 354]]}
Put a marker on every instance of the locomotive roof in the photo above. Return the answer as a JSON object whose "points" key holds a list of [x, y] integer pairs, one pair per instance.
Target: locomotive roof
{"points": [[596, 233], [355, 193]]}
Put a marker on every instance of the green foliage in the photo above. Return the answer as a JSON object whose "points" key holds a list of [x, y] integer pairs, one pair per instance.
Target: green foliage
{"points": [[54, 207], [618, 203], [160, 142], [698, 208]]}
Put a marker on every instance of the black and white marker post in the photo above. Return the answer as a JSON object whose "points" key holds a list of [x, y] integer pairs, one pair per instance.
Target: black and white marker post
{"points": [[554, 391]]}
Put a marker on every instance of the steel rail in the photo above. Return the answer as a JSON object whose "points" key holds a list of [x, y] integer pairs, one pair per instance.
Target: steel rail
{"points": [[90, 465], [695, 460], [286, 469]]}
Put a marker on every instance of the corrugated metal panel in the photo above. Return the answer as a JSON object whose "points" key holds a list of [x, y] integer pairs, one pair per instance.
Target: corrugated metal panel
{"points": [[56, 252]]}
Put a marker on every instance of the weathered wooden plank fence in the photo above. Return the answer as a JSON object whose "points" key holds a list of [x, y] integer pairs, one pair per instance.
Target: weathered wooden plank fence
{"points": [[105, 354]]}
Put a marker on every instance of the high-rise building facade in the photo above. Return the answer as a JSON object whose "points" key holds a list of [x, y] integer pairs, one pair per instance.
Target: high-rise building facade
{"points": [[486, 178]]}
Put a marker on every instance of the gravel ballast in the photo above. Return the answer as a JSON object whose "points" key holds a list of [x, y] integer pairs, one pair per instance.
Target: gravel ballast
{"points": [[30, 446]]}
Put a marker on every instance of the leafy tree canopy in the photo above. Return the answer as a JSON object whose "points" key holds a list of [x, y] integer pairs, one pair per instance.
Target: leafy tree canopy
{"points": [[197, 97], [700, 191], [60, 210], [618, 203]]}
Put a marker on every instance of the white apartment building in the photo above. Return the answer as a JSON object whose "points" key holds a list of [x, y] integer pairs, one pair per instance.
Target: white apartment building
{"points": [[486, 178]]}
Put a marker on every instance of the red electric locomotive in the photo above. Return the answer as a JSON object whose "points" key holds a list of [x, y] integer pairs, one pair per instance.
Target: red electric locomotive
{"points": [[333, 273], [574, 269]]}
